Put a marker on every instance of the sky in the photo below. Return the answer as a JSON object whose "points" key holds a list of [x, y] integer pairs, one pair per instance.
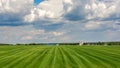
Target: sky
{"points": [[44, 21], [36, 2]]}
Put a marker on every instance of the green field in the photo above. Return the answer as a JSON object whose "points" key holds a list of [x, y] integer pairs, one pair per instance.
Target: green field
{"points": [[59, 56]]}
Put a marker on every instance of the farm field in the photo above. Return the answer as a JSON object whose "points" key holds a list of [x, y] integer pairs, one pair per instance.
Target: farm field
{"points": [[59, 56]]}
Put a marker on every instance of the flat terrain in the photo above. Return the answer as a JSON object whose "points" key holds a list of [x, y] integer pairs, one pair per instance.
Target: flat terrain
{"points": [[59, 56]]}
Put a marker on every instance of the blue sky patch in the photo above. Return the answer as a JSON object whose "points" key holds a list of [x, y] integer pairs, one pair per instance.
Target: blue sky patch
{"points": [[36, 2]]}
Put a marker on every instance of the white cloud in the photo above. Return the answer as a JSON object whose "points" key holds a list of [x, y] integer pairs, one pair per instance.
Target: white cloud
{"points": [[93, 25], [14, 10], [28, 34], [27, 38], [93, 9], [101, 25], [37, 32], [58, 20], [50, 9], [30, 18], [15, 5], [46, 9], [100, 9], [59, 9], [58, 33]]}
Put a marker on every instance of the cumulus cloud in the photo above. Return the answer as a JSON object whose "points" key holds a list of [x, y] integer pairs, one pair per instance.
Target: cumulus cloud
{"points": [[100, 10], [94, 9], [74, 10], [59, 10], [49, 9], [15, 5], [14, 11], [56, 10], [51, 20]]}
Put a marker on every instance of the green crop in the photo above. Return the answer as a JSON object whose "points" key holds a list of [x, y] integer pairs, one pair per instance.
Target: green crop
{"points": [[59, 56]]}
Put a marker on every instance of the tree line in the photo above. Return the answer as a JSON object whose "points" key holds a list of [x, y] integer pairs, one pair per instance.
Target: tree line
{"points": [[83, 43], [102, 43]]}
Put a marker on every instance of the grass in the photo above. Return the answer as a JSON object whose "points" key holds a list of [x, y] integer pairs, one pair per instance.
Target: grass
{"points": [[59, 56]]}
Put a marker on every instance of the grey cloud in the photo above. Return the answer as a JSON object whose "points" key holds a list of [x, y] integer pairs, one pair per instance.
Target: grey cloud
{"points": [[48, 25], [13, 12]]}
